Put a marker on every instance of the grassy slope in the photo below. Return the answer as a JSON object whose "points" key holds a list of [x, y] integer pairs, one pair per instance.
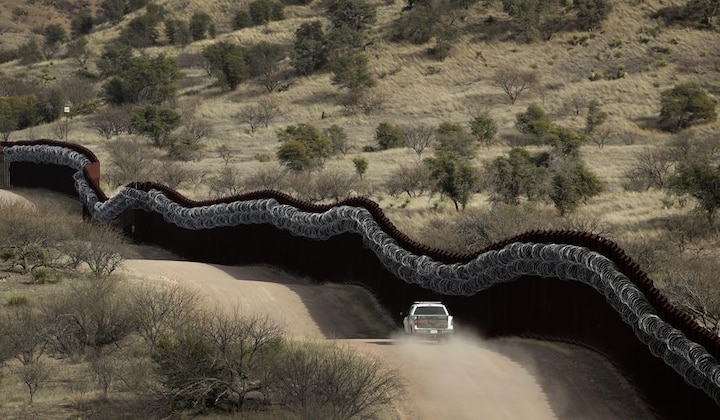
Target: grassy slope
{"points": [[461, 88]]}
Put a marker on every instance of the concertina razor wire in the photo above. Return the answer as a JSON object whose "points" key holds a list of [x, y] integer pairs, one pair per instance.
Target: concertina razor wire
{"points": [[564, 262]]}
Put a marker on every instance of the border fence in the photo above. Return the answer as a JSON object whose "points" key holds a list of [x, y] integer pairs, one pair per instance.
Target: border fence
{"points": [[558, 285]]}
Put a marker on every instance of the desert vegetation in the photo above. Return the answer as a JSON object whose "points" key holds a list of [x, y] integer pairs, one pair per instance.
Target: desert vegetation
{"points": [[467, 121], [74, 326]]}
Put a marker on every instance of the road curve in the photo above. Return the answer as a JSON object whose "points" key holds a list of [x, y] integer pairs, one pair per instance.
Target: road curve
{"points": [[467, 378]]}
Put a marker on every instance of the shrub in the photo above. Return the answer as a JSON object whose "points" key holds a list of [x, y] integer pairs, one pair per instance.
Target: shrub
{"points": [[217, 361], [226, 61], [484, 128], [241, 20], [339, 139], [389, 136], [17, 300], [264, 11], [40, 275], [453, 138], [685, 105], [303, 147], [318, 380], [310, 52], [200, 25], [417, 26]]}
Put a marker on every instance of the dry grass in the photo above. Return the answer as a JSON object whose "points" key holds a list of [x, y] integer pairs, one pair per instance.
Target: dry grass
{"points": [[418, 89]]}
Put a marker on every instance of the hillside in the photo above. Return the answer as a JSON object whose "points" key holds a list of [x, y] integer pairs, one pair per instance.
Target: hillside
{"points": [[646, 53]]}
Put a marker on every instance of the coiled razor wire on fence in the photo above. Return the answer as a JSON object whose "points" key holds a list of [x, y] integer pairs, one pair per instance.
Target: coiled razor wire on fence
{"points": [[565, 262]]}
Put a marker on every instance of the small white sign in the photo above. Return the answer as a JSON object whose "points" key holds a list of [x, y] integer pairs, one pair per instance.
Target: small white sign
{"points": [[66, 110]]}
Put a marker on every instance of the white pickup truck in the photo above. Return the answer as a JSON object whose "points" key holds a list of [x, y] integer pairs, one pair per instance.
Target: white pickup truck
{"points": [[430, 319]]}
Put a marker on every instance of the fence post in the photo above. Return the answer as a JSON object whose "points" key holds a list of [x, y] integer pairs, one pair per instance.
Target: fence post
{"points": [[4, 170]]}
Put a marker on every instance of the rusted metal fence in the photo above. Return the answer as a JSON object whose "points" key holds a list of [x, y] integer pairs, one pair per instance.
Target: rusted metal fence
{"points": [[537, 307]]}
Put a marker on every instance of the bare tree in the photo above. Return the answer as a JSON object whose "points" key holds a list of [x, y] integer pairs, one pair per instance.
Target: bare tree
{"points": [[269, 110], [329, 381], [159, 310], [129, 160], [227, 181], [112, 122], [252, 116], [175, 175], [60, 130], [97, 245], [218, 360], [692, 286], [601, 135], [107, 369], [652, 169], [267, 177], [225, 153], [197, 129], [23, 335], [414, 180], [419, 137], [514, 82], [34, 375], [335, 185], [576, 102], [28, 237], [90, 314], [371, 102], [78, 90]]}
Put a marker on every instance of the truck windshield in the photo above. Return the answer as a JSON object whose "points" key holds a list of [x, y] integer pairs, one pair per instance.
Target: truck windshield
{"points": [[430, 310]]}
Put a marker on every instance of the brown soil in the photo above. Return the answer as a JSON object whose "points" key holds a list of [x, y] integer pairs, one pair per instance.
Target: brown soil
{"points": [[466, 378]]}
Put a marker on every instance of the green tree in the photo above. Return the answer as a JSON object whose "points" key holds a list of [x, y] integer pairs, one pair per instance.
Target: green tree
{"points": [[145, 80], [565, 141], [453, 176], [357, 15], [263, 63], [227, 63], [200, 24], [526, 14], [114, 60], [418, 25], [573, 185], [54, 35], [303, 147], [592, 12], [142, 32], [178, 32], [264, 11], [453, 138], [389, 135], [533, 121], [114, 10], [241, 20], [484, 128], [155, 122], [353, 73], [701, 180], [310, 51], [81, 25], [685, 105], [519, 174], [361, 165]]}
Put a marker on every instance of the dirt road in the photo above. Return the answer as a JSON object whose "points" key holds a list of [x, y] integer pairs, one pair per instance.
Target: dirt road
{"points": [[467, 378]]}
